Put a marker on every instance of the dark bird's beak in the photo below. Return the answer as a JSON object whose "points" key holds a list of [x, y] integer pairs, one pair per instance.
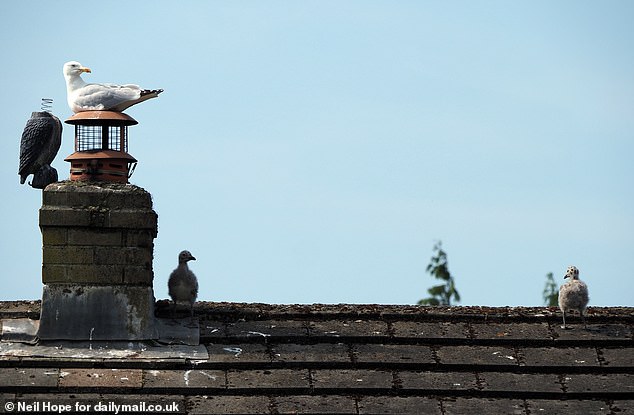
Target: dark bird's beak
{"points": [[566, 276], [192, 257]]}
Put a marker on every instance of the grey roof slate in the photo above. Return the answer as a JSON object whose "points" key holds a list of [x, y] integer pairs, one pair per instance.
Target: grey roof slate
{"points": [[355, 359]]}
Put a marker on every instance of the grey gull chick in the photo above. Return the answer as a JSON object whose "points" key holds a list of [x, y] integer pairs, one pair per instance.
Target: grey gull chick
{"points": [[41, 139], [182, 284], [101, 97], [573, 295]]}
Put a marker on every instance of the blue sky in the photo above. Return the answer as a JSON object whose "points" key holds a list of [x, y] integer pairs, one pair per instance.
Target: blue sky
{"points": [[314, 152]]}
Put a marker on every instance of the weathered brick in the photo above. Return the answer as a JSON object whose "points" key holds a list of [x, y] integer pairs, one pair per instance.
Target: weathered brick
{"points": [[511, 382], [268, 379], [109, 255], [568, 406], [82, 194], [212, 405], [78, 234], [141, 238], [440, 381], [167, 379], [613, 357], [72, 195], [95, 378], [455, 406], [355, 328], [133, 219], [613, 382], [352, 379], [128, 199], [400, 405], [64, 217], [603, 332], [138, 275], [75, 264], [105, 255], [511, 331], [55, 255], [393, 353], [315, 404], [94, 237], [85, 197], [212, 329], [54, 236], [554, 356], [481, 355], [40, 377], [95, 274], [83, 217], [424, 330], [233, 353], [311, 353], [52, 274], [51, 197], [625, 406], [265, 329]]}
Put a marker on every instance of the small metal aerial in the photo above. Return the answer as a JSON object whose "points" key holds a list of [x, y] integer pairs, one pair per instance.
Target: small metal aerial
{"points": [[47, 105]]}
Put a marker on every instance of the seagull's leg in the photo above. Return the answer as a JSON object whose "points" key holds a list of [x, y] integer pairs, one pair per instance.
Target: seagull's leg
{"points": [[192, 322], [583, 317], [564, 313]]}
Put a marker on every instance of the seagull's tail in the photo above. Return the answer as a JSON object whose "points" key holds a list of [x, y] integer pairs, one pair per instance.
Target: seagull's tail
{"points": [[145, 95], [153, 92]]}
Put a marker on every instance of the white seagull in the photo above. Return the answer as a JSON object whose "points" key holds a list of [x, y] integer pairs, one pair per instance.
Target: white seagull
{"points": [[573, 295], [101, 97]]}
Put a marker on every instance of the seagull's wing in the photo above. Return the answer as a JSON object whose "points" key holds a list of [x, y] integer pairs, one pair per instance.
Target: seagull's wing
{"points": [[171, 284], [105, 96], [194, 283]]}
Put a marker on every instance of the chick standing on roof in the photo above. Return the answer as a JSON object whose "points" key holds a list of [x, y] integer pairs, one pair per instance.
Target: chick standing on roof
{"points": [[182, 284], [573, 295]]}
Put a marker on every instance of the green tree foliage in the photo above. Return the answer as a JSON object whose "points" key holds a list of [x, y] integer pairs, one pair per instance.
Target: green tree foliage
{"points": [[551, 291], [440, 294]]}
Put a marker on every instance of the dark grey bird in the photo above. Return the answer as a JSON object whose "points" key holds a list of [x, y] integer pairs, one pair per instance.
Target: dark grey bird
{"points": [[182, 284], [44, 176], [41, 139], [573, 295]]}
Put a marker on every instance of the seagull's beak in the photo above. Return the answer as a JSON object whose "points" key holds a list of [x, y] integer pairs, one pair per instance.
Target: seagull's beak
{"points": [[84, 69]]}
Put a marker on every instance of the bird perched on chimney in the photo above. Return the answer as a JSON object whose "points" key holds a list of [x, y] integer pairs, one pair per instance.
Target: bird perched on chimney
{"points": [[182, 284], [101, 97], [41, 139], [573, 295]]}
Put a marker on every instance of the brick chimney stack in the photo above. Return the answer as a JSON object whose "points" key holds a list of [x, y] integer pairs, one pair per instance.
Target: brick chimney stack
{"points": [[98, 241]]}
